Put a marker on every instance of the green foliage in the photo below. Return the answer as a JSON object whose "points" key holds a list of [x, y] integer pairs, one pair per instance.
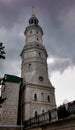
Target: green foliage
{"points": [[2, 52]]}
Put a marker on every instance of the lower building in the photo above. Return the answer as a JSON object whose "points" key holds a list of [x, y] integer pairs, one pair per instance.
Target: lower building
{"points": [[9, 100]]}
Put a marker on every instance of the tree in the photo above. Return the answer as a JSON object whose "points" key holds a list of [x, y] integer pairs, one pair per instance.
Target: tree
{"points": [[2, 52]]}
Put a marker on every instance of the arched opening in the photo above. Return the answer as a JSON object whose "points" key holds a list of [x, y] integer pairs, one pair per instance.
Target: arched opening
{"points": [[39, 54], [42, 97], [30, 31], [48, 98], [36, 114], [43, 111], [29, 66], [35, 97], [37, 32], [37, 39]]}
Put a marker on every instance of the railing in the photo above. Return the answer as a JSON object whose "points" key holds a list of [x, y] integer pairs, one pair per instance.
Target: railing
{"points": [[41, 119], [62, 111], [66, 110]]}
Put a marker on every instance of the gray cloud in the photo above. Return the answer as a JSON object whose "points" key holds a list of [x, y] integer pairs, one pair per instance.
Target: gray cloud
{"points": [[57, 19], [60, 64]]}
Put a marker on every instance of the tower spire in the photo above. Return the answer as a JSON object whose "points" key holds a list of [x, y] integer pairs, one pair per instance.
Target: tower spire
{"points": [[33, 12]]}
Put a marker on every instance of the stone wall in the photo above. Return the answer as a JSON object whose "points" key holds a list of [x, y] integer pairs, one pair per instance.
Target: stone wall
{"points": [[10, 105], [10, 128]]}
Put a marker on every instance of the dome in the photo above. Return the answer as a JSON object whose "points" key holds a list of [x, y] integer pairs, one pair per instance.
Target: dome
{"points": [[33, 20], [33, 23]]}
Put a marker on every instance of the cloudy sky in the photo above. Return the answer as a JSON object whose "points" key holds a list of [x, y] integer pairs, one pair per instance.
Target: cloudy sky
{"points": [[57, 18]]}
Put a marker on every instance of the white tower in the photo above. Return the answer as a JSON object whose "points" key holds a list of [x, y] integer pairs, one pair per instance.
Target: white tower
{"points": [[38, 92]]}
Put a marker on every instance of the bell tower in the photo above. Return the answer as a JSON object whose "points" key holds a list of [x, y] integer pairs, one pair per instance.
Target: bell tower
{"points": [[38, 92]]}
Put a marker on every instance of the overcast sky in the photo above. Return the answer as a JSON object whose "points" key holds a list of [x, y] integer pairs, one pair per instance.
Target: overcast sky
{"points": [[57, 18]]}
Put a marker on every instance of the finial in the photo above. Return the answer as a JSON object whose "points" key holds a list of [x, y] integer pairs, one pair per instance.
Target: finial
{"points": [[33, 12]]}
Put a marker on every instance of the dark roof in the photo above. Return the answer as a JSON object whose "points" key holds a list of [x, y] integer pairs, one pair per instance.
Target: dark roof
{"points": [[12, 78], [31, 26]]}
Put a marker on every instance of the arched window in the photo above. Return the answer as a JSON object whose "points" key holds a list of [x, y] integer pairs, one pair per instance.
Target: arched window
{"points": [[39, 54], [48, 98], [32, 22], [36, 114], [30, 31], [37, 32], [37, 39], [42, 97], [35, 97], [43, 111], [29, 66]]}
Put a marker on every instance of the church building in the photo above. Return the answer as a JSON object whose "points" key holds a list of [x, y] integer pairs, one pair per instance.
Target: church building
{"points": [[32, 93], [28, 102], [39, 94]]}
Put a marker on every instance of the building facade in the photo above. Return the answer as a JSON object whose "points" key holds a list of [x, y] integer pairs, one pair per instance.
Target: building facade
{"points": [[38, 92]]}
